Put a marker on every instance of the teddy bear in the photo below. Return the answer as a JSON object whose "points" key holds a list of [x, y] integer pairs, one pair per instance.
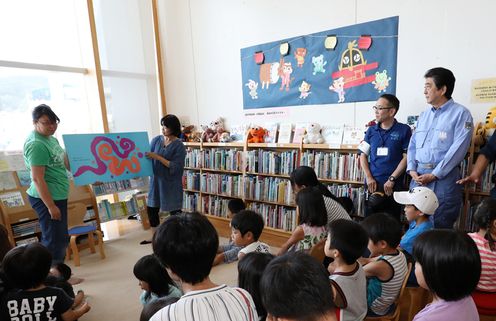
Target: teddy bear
{"points": [[207, 133], [186, 132], [313, 135], [256, 134], [225, 137], [218, 127]]}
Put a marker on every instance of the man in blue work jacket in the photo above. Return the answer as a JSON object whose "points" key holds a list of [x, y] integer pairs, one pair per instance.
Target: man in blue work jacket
{"points": [[383, 156], [439, 145]]}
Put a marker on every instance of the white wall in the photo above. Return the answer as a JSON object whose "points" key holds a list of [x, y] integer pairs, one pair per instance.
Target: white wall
{"points": [[202, 40]]}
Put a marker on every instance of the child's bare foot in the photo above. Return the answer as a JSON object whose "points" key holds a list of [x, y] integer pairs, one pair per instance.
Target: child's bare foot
{"points": [[75, 280]]}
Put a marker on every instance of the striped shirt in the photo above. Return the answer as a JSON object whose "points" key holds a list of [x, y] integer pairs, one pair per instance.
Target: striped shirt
{"points": [[381, 294], [487, 281], [352, 288], [335, 210], [219, 303]]}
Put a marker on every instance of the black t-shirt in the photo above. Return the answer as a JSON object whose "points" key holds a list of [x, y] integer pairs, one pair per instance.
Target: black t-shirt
{"points": [[47, 304]]}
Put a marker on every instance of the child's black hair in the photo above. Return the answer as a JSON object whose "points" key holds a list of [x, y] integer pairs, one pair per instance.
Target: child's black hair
{"points": [[250, 270], [5, 244], [187, 244], [64, 270], [27, 266], [153, 307], [450, 263], [248, 221], [305, 176], [296, 286], [349, 238], [236, 205], [149, 269], [347, 203], [44, 110], [311, 207], [484, 217], [383, 227]]}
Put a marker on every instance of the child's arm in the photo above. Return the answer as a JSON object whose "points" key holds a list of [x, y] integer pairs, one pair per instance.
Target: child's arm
{"points": [[380, 269], [74, 314], [219, 258], [298, 235], [338, 296]]}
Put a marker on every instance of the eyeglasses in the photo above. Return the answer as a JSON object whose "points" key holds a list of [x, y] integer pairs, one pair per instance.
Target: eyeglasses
{"points": [[380, 107]]}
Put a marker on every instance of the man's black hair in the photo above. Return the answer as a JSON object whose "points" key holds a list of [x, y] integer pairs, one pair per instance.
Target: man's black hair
{"points": [[349, 238], [450, 263], [27, 266], [248, 221], [296, 286], [393, 101], [442, 77], [383, 227], [187, 244]]}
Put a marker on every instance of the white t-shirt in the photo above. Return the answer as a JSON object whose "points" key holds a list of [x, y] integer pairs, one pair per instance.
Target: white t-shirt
{"points": [[219, 303], [255, 247]]}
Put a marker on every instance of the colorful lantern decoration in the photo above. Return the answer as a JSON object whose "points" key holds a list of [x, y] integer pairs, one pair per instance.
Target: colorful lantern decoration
{"points": [[259, 57], [284, 48], [331, 42], [365, 42]]}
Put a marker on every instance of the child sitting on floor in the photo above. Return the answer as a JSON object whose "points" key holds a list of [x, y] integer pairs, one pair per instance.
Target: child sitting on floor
{"points": [[387, 266], [228, 253], [246, 227], [346, 241], [448, 265], [485, 239], [313, 220], [27, 267], [58, 277], [154, 280]]}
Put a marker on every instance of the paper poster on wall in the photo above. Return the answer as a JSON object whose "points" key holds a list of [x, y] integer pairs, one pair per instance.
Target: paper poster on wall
{"points": [[107, 157], [347, 64], [484, 90], [11, 161]]}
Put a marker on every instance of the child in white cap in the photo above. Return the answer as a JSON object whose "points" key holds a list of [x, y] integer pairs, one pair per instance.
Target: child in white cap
{"points": [[420, 203]]}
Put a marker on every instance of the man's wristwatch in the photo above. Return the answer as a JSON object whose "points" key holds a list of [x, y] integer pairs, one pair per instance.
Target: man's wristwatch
{"points": [[392, 178]]}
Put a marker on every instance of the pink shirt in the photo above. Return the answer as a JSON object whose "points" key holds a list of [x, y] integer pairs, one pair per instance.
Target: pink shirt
{"points": [[487, 280], [461, 310]]}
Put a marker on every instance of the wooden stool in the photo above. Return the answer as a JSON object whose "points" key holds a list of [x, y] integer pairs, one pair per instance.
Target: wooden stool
{"points": [[77, 227]]}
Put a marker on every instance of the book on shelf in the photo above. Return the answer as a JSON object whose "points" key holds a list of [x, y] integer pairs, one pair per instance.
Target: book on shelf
{"points": [[271, 162], [223, 159], [28, 240], [269, 189], [271, 132], [12, 199], [118, 186], [24, 177], [299, 132], [285, 133], [334, 165], [333, 135], [276, 216], [190, 202], [7, 181], [225, 184], [352, 135], [354, 192]]}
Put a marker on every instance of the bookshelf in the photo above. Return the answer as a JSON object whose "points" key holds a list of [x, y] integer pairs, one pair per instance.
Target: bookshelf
{"points": [[259, 173], [21, 220]]}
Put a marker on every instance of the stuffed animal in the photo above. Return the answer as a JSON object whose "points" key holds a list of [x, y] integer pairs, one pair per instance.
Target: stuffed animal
{"points": [[207, 133], [256, 134], [491, 121], [225, 137], [186, 132], [313, 135], [196, 137], [218, 126], [480, 136]]}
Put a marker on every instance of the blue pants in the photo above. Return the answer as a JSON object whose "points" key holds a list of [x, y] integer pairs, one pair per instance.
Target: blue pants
{"points": [[54, 234], [449, 195]]}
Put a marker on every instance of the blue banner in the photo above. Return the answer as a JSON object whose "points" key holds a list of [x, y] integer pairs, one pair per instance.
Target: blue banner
{"points": [[107, 157], [348, 64]]}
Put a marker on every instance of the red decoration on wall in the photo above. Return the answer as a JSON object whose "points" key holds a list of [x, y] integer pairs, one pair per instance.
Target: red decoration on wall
{"points": [[365, 42], [259, 57]]}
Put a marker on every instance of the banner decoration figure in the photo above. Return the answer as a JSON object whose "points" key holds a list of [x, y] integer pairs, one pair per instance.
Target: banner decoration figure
{"points": [[348, 64], [107, 157]]}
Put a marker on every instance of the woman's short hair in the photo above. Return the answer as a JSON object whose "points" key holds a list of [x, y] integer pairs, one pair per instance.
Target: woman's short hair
{"points": [[450, 263], [173, 123], [44, 110]]}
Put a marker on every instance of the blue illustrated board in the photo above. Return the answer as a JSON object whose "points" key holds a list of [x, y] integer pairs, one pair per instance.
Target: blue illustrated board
{"points": [[107, 157], [311, 74]]}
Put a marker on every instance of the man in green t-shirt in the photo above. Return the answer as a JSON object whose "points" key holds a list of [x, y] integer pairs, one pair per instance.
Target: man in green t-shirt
{"points": [[49, 188]]}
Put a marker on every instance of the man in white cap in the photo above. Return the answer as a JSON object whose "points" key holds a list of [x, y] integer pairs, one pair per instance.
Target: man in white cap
{"points": [[420, 203]]}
